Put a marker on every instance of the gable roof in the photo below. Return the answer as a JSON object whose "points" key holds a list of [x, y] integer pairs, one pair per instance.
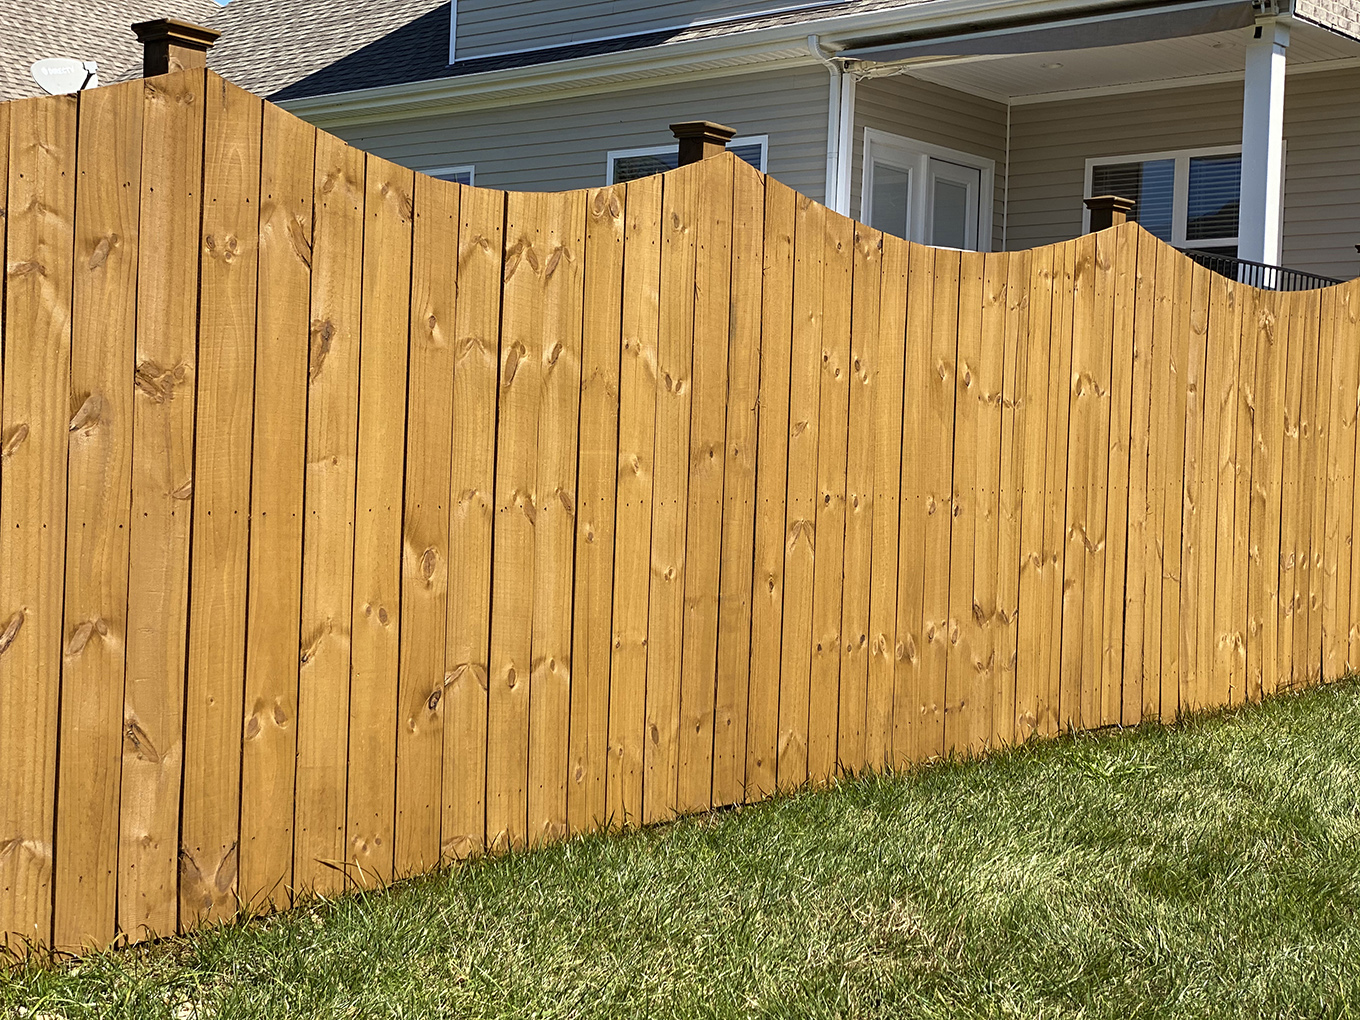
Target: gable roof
{"points": [[294, 49], [99, 30]]}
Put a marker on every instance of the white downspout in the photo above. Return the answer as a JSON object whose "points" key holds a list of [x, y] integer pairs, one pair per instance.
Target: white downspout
{"points": [[833, 118], [845, 145]]}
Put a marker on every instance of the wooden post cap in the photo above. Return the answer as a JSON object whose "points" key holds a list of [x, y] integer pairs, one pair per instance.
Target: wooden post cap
{"points": [[1109, 210], [169, 44], [700, 139]]}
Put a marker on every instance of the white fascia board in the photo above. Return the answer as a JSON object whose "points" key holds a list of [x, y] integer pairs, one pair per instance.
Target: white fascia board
{"points": [[732, 53]]}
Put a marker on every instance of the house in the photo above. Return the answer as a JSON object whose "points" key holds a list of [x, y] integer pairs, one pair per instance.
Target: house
{"points": [[96, 32], [1233, 124]]}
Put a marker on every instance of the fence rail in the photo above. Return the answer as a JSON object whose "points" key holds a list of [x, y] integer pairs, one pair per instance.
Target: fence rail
{"points": [[353, 521]]}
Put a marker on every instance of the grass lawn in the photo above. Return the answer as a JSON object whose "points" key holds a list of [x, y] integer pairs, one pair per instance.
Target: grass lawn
{"points": [[1207, 870]]}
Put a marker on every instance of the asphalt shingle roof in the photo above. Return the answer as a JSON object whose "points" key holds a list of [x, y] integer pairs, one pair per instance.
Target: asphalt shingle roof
{"points": [[98, 30]]}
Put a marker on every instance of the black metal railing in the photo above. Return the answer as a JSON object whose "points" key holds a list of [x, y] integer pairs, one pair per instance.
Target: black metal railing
{"points": [[1258, 274]]}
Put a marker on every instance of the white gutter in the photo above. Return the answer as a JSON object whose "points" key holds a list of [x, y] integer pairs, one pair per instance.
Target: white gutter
{"points": [[833, 122]]}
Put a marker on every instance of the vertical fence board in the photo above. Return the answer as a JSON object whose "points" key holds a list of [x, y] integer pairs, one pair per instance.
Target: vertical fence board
{"points": [[680, 212], [228, 286], [328, 531], [425, 524], [1156, 308], [704, 528], [1103, 341], [163, 480], [472, 502], [1315, 490], [735, 595], [1036, 390], [278, 474], [1063, 687], [1192, 535], [1248, 303], [1272, 345], [35, 411], [517, 506], [602, 309], [866, 285], [375, 649], [1141, 554], [99, 491], [767, 602], [1291, 491], [1015, 425], [800, 536], [638, 383], [829, 529], [1225, 338], [1342, 386], [1218, 380], [989, 386], [562, 247]]}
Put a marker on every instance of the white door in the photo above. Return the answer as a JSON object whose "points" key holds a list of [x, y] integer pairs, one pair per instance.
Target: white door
{"points": [[926, 193]]}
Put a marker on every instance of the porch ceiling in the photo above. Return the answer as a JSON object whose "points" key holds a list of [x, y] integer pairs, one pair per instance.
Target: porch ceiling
{"points": [[1056, 74]]}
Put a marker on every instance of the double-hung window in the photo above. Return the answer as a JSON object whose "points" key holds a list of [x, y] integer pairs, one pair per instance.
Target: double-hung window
{"points": [[1188, 198], [457, 174], [629, 164]]}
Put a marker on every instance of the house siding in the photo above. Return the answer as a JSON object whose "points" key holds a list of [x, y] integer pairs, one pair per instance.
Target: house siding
{"points": [[930, 113], [560, 144], [1050, 143], [492, 26]]}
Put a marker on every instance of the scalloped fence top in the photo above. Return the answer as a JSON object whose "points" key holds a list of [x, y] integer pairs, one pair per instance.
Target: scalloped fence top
{"points": [[353, 521]]}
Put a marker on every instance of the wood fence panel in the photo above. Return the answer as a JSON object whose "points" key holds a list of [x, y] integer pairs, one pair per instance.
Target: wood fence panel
{"points": [[99, 493], [638, 382], [517, 506], [1220, 380], [704, 527], [472, 502], [375, 649], [866, 285], [1155, 310], [215, 687], [1342, 388], [1193, 535], [163, 480], [1316, 426], [735, 592], [1347, 319], [1236, 578], [1010, 496], [425, 524], [328, 530], [563, 249], [1035, 385], [767, 605], [34, 412], [1291, 491], [1103, 341], [1063, 686], [680, 212], [278, 467], [828, 591], [800, 536], [602, 324]]}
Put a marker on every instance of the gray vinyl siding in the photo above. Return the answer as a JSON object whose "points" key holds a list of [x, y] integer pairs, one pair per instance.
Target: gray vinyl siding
{"points": [[562, 144], [930, 113], [494, 26], [1050, 143]]}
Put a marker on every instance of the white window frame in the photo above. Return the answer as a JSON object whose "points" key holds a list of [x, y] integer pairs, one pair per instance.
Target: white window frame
{"points": [[660, 150], [1180, 188], [914, 155], [440, 171]]}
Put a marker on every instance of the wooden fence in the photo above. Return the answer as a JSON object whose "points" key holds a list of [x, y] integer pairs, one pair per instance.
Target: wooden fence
{"points": [[353, 521]]}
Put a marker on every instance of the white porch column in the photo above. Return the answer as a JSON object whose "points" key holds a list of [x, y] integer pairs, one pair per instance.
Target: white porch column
{"points": [[1263, 144]]}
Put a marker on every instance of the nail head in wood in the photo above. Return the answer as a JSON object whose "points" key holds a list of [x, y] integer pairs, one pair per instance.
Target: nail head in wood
{"points": [[700, 139], [1109, 210], [169, 44]]}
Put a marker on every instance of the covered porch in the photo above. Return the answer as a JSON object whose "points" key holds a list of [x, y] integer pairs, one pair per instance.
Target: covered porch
{"points": [[1234, 129]]}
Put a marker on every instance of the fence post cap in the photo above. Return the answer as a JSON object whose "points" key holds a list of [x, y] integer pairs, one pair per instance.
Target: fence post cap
{"points": [[1114, 203], [183, 33], [705, 130]]}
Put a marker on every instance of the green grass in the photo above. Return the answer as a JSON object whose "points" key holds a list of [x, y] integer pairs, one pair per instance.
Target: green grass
{"points": [[1207, 870]]}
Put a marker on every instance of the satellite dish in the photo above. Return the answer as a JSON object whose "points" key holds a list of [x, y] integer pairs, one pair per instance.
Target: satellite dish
{"points": [[59, 76]]}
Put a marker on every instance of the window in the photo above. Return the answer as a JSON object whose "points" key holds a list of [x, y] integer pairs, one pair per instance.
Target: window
{"points": [[457, 174], [625, 165], [1188, 199], [926, 192]]}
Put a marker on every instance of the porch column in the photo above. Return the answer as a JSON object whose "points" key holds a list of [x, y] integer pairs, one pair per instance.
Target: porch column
{"points": [[1258, 219]]}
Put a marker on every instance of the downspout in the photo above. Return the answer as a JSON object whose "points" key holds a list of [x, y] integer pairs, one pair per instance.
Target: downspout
{"points": [[845, 146], [833, 121]]}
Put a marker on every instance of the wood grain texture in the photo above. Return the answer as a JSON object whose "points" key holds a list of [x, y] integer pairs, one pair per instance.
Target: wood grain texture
{"points": [[163, 481], [1061, 697], [34, 414], [602, 324], [278, 475], [228, 286], [633, 516], [1015, 426], [425, 524], [99, 493], [1342, 387], [472, 479], [328, 530], [735, 593], [375, 648]]}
